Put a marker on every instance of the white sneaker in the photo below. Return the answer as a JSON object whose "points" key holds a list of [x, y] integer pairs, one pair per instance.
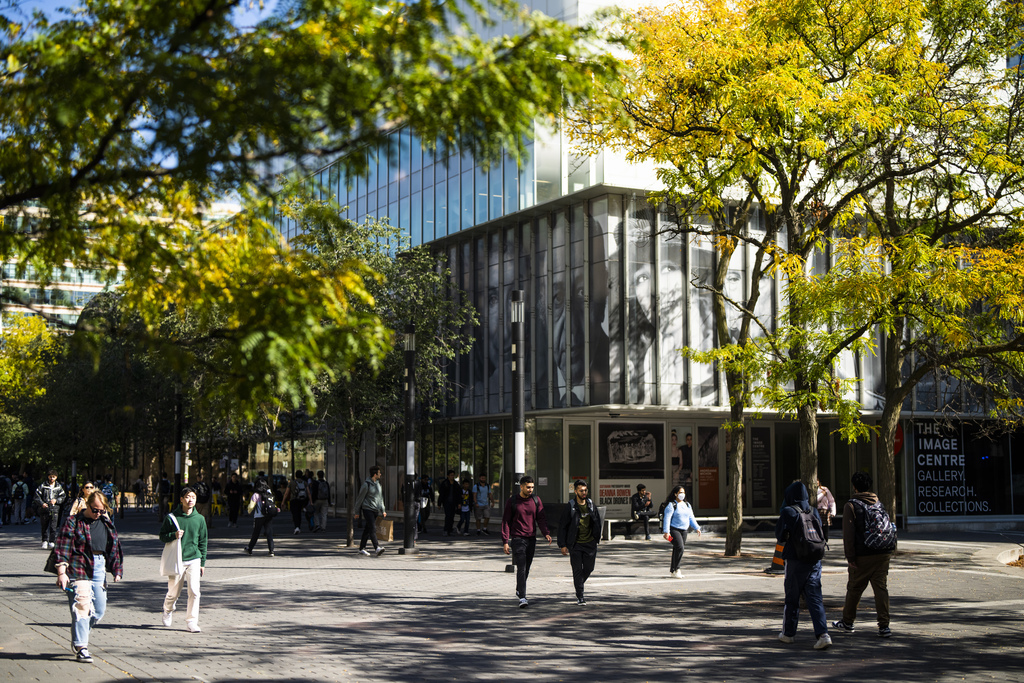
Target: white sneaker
{"points": [[786, 639], [297, 531], [364, 551], [52, 545], [46, 545], [824, 643], [380, 551], [166, 618], [677, 574], [523, 603], [193, 627]]}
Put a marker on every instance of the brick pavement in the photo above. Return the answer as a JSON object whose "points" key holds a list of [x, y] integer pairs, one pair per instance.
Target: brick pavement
{"points": [[320, 612]]}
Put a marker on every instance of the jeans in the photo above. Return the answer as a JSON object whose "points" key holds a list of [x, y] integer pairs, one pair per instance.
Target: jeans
{"points": [[642, 518], [296, 507], [369, 529], [88, 603], [234, 505], [873, 569], [320, 514], [804, 578], [48, 520], [174, 584], [262, 523], [523, 549], [19, 511], [582, 558], [678, 544], [463, 521]]}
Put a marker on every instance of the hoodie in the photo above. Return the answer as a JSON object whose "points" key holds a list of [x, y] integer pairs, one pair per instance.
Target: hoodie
{"points": [[193, 543], [795, 497], [853, 542]]}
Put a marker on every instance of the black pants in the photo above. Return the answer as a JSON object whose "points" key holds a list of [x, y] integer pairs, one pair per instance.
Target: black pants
{"points": [[369, 529], [48, 519], [523, 549], [449, 518], [582, 558], [645, 519], [297, 506], [258, 524], [678, 543], [234, 505]]}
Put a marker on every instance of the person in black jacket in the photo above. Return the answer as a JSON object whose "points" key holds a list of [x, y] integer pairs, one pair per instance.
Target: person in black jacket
{"points": [[579, 532], [50, 497], [640, 509], [802, 578], [449, 494]]}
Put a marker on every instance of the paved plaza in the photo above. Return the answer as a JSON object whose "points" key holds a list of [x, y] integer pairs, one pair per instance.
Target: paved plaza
{"points": [[318, 611]]}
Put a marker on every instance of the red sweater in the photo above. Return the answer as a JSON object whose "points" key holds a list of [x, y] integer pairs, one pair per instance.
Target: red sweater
{"points": [[521, 514]]}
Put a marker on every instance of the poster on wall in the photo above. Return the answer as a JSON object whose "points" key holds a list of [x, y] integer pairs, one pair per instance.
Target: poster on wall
{"points": [[631, 451], [943, 469], [760, 467], [681, 458], [707, 468]]}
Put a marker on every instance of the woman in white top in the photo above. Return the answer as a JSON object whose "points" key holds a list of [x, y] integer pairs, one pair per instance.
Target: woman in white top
{"points": [[261, 499]]}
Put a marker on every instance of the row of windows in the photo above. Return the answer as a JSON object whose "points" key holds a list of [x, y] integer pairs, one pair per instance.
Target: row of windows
{"points": [[49, 297], [75, 276]]}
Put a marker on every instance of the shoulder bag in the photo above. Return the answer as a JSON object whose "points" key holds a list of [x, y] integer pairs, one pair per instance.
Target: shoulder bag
{"points": [[170, 560]]}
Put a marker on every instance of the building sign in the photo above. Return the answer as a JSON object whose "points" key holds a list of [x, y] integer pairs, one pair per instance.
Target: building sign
{"points": [[707, 468], [943, 484], [760, 467]]}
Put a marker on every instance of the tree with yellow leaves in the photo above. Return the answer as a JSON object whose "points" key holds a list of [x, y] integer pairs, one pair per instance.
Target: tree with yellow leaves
{"points": [[837, 118]]}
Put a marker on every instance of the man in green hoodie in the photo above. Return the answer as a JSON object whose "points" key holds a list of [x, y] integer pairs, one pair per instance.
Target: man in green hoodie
{"points": [[191, 529]]}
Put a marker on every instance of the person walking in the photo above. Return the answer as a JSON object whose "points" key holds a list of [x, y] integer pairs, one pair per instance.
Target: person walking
{"points": [[20, 493], [482, 505], [869, 541], [579, 532], [424, 494], [164, 491], [321, 499], [204, 501], [465, 508], [825, 503], [523, 513], [82, 500], [640, 511], [190, 527], [803, 577], [449, 493], [370, 503], [261, 505], [49, 499], [296, 497], [677, 523], [86, 549], [233, 491]]}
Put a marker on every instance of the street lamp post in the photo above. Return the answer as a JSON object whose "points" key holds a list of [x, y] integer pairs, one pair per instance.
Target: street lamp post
{"points": [[518, 394], [409, 545]]}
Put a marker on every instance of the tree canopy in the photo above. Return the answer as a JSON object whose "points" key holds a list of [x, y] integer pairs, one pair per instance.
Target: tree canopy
{"points": [[123, 121]]}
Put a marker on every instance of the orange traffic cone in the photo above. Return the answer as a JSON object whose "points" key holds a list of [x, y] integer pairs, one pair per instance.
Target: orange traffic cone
{"points": [[778, 564]]}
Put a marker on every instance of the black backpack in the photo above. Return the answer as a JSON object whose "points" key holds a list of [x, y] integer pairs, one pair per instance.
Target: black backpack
{"points": [[807, 537], [875, 530]]}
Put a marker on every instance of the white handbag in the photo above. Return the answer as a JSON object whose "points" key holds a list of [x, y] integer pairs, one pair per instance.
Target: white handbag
{"points": [[170, 560]]}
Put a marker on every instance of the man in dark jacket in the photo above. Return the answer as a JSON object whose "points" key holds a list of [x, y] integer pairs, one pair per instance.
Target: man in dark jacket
{"points": [[865, 564], [801, 577], [579, 532], [50, 496], [449, 494]]}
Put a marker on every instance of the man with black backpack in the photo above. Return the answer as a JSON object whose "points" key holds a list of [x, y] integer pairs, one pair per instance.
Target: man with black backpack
{"points": [[321, 499], [799, 527], [869, 540]]}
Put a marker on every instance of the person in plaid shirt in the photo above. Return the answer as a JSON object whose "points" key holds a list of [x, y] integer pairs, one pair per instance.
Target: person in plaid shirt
{"points": [[87, 548]]}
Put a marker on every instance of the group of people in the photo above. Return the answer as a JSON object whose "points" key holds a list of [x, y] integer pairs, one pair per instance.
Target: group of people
{"points": [[49, 503], [463, 497]]}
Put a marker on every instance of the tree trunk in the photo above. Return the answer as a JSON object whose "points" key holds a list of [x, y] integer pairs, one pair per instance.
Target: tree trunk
{"points": [[808, 415], [352, 453], [895, 392], [734, 468]]}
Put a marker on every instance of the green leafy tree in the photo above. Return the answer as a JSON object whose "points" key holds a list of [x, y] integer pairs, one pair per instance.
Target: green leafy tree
{"points": [[411, 288], [124, 120]]}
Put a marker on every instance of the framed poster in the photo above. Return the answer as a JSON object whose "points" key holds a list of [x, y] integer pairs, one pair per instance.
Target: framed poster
{"points": [[631, 450]]}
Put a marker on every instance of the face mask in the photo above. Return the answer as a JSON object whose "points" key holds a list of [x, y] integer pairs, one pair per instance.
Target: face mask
{"points": [[682, 495]]}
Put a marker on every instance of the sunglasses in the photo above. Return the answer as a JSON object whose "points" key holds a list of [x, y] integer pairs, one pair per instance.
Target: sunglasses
{"points": [[97, 510], [88, 488]]}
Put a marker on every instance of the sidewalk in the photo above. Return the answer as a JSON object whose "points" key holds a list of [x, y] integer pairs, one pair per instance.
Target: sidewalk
{"points": [[318, 611]]}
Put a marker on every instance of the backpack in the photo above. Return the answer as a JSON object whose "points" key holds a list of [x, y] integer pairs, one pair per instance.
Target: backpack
{"points": [[807, 537], [323, 490], [108, 490], [266, 503], [875, 530], [19, 491], [300, 490]]}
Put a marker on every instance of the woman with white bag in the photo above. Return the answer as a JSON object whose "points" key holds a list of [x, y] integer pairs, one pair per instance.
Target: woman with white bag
{"points": [[184, 558]]}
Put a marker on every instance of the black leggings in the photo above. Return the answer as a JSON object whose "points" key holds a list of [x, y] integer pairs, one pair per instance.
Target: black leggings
{"points": [[369, 529], [262, 523]]}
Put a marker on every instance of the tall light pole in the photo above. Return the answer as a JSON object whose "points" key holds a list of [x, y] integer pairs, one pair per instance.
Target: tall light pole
{"points": [[409, 545], [518, 395], [518, 382]]}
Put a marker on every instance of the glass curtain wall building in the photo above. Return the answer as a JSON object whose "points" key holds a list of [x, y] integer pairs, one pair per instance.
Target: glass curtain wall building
{"points": [[614, 289]]}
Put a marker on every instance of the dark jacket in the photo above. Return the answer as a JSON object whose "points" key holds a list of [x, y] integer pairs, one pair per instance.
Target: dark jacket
{"points": [[795, 497], [853, 530], [46, 492], [449, 493], [569, 526], [638, 505]]}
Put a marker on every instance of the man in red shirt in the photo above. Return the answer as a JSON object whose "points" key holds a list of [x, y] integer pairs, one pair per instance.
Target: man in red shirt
{"points": [[523, 512]]}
